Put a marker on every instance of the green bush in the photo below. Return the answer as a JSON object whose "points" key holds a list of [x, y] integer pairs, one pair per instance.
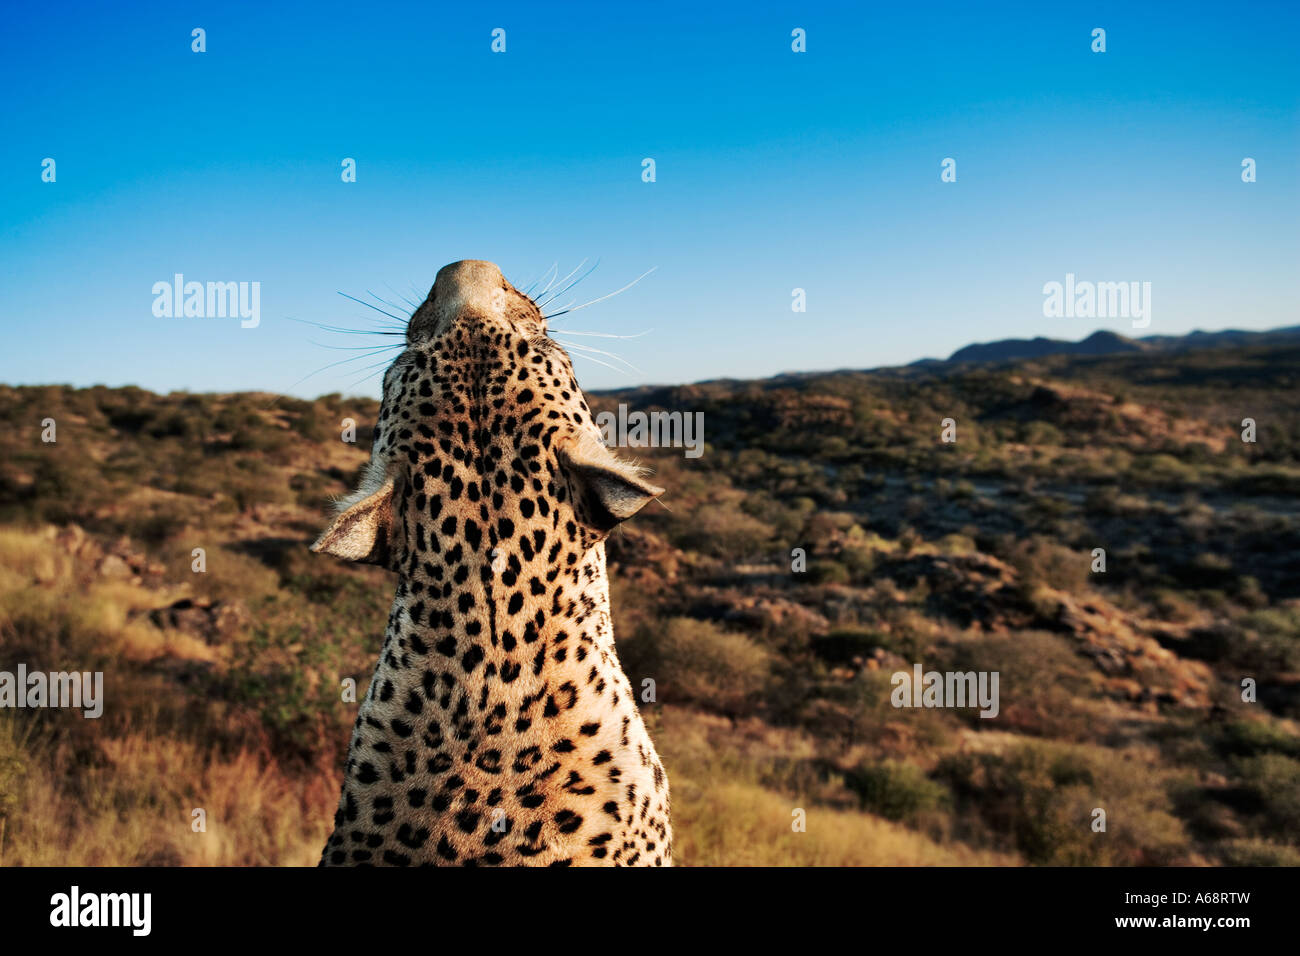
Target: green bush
{"points": [[1277, 633], [1250, 738], [896, 791], [1257, 853], [1272, 781], [828, 572], [1043, 797], [697, 661], [1042, 562]]}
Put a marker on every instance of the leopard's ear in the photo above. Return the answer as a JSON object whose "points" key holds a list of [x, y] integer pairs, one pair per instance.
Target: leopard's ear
{"points": [[606, 489], [362, 530]]}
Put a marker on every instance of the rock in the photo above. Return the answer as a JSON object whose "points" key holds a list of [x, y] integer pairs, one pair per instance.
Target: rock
{"points": [[1104, 637], [971, 589], [114, 566], [211, 622]]}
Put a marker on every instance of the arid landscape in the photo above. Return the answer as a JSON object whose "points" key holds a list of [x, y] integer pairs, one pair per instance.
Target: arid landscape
{"points": [[826, 539]]}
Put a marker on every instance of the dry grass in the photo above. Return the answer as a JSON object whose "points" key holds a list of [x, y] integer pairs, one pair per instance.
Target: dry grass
{"points": [[721, 823], [735, 790], [133, 806]]}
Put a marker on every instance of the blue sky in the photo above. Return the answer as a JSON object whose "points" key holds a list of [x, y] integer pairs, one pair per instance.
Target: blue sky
{"points": [[775, 170]]}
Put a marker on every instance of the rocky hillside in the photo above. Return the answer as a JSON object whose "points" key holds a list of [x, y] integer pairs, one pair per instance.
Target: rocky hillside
{"points": [[826, 539]]}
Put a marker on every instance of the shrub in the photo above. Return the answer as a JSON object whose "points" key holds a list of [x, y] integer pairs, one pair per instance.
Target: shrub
{"points": [[1257, 853], [1044, 563], [860, 561], [1277, 633], [721, 530], [698, 661], [1249, 738], [1272, 781], [957, 544], [1043, 796], [896, 791], [828, 572]]}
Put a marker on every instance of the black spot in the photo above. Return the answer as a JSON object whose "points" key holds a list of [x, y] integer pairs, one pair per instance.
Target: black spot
{"points": [[471, 658], [568, 821], [440, 762], [412, 838]]}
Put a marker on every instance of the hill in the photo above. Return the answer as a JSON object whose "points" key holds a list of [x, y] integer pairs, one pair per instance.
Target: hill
{"points": [[825, 539], [1099, 343], [1104, 342]]}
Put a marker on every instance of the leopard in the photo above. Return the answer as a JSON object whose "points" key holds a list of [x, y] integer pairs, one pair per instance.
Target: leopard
{"points": [[498, 728]]}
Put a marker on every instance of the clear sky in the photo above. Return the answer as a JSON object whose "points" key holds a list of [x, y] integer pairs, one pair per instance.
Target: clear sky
{"points": [[775, 170]]}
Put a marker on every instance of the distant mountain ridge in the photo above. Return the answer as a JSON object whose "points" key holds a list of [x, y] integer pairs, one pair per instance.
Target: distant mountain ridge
{"points": [[1103, 342]]}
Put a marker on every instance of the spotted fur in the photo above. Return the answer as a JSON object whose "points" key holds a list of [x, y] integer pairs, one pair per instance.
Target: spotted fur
{"points": [[499, 727]]}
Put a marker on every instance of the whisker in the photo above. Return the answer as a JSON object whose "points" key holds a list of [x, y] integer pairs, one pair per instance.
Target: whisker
{"points": [[588, 350], [602, 335], [385, 301], [565, 279], [397, 318], [559, 292], [550, 274], [357, 348], [369, 373], [315, 373], [413, 305], [604, 297], [590, 358], [533, 285], [341, 362], [342, 331]]}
